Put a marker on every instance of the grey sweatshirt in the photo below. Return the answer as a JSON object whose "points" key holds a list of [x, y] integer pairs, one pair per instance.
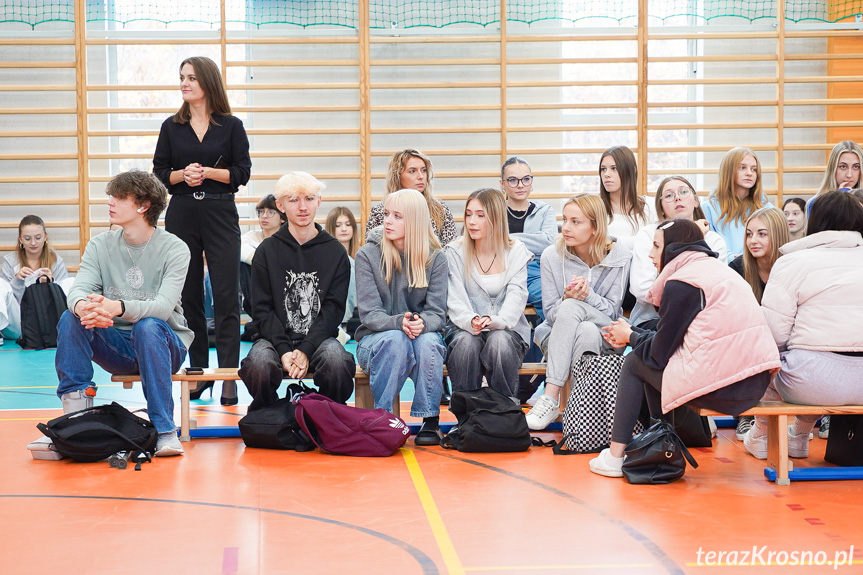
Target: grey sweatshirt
{"points": [[540, 228], [164, 263], [467, 299], [607, 282], [382, 306]]}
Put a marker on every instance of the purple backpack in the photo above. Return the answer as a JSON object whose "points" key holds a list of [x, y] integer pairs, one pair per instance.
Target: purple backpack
{"points": [[344, 430]]}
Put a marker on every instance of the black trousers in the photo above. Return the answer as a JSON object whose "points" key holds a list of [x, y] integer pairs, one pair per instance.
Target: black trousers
{"points": [[637, 383], [211, 227]]}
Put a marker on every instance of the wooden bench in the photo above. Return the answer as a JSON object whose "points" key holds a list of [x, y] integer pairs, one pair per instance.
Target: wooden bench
{"points": [[777, 413], [362, 392]]}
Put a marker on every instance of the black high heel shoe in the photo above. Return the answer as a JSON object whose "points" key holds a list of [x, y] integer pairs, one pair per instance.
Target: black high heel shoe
{"points": [[202, 387], [227, 387]]}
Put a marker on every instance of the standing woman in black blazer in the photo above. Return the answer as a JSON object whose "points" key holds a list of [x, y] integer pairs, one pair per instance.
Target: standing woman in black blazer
{"points": [[202, 156]]}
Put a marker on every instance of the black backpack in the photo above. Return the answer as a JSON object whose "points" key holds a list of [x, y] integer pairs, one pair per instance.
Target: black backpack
{"points": [[488, 421], [275, 426], [41, 308], [99, 432]]}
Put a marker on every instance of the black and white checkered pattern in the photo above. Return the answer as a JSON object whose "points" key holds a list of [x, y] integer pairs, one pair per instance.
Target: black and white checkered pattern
{"points": [[589, 413]]}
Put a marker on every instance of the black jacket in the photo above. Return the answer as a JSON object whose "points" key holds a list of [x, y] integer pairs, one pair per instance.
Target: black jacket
{"points": [[299, 291]]}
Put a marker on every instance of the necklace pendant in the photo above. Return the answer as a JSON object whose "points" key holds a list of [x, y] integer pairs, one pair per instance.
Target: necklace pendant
{"points": [[135, 277]]}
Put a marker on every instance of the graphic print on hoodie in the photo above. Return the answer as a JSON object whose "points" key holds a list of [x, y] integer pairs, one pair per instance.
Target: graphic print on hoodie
{"points": [[302, 302]]}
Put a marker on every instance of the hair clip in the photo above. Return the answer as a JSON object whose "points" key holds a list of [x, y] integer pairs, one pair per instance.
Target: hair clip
{"points": [[668, 225]]}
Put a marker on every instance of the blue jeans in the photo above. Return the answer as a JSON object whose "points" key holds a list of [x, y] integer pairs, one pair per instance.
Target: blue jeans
{"points": [[150, 348], [390, 357], [534, 287]]}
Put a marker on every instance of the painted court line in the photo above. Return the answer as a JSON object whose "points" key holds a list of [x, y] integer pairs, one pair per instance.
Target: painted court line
{"points": [[526, 568], [441, 535]]}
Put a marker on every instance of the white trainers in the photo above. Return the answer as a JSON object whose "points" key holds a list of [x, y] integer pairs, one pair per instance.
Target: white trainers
{"points": [[744, 422], [76, 401], [606, 464], [824, 430], [798, 444], [755, 444], [168, 445], [542, 413]]}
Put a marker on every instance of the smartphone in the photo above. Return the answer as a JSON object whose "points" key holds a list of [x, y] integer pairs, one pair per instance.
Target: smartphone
{"points": [[220, 163], [194, 370]]}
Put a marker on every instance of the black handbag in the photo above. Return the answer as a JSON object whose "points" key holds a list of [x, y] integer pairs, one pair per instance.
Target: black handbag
{"points": [[656, 456], [488, 422], [275, 426], [845, 442]]}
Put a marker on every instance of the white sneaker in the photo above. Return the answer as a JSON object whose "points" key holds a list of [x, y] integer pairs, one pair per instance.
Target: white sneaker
{"points": [[744, 422], [824, 430], [798, 444], [76, 401], [756, 445], [168, 445], [606, 464], [542, 413]]}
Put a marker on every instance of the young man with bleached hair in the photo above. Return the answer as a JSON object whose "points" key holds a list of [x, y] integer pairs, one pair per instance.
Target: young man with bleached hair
{"points": [[299, 285]]}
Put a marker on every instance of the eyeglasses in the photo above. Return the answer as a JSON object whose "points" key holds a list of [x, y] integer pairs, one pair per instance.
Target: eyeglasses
{"points": [[513, 181], [267, 213], [682, 193]]}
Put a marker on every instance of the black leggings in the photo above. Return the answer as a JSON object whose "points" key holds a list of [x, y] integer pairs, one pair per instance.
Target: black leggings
{"points": [[637, 383]]}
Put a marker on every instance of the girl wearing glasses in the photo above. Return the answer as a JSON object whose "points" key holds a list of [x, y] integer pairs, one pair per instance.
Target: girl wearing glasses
{"points": [[738, 194], [270, 219], [532, 222], [675, 198], [618, 176]]}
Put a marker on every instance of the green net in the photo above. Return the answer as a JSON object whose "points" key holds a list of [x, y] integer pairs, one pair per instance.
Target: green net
{"points": [[402, 14]]}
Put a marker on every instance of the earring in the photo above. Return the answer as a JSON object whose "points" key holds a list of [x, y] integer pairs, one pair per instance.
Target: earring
{"points": [[140, 210]]}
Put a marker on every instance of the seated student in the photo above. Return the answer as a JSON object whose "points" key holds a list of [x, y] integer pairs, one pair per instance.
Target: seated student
{"points": [[813, 307], [402, 293], [124, 308], [533, 222], [270, 219], [737, 195], [711, 347], [342, 225], [675, 198], [843, 170], [629, 212], [795, 215], [766, 232], [487, 333], [32, 260], [583, 284], [300, 278]]}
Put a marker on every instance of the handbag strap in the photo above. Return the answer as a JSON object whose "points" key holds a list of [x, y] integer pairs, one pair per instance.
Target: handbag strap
{"points": [[559, 448], [65, 434], [538, 442]]}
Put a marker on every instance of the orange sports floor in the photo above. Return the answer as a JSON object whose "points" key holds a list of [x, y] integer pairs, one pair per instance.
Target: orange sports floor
{"points": [[225, 509]]}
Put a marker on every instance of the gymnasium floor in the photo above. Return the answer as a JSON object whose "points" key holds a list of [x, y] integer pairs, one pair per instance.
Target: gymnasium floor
{"points": [[224, 509]]}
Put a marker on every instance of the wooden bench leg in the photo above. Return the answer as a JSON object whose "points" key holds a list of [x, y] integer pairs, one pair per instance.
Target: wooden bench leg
{"points": [[184, 411], [777, 447], [364, 399]]}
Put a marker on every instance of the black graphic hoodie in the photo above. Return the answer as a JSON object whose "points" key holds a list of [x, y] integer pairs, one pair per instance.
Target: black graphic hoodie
{"points": [[299, 291]]}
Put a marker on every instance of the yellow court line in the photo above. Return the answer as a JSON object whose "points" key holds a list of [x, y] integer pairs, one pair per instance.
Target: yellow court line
{"points": [[454, 566], [522, 568]]}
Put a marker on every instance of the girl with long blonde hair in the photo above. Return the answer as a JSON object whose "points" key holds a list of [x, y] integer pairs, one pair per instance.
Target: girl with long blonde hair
{"points": [[487, 333], [401, 277], [411, 169], [584, 277], [738, 194]]}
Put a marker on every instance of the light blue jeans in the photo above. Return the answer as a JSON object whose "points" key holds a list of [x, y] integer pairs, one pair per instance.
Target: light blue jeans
{"points": [[150, 348], [390, 357]]}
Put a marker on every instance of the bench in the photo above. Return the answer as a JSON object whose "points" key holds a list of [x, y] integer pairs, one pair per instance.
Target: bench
{"points": [[362, 392], [777, 413]]}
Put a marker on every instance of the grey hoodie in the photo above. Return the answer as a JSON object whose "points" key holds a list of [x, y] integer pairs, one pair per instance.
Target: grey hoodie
{"points": [[467, 299], [540, 228], [608, 282], [382, 306]]}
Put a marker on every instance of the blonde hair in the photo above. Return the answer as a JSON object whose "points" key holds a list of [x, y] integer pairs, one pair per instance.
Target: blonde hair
{"points": [[294, 183], [497, 226], [594, 208], [732, 208], [829, 183], [394, 182], [420, 240], [777, 230], [48, 257]]}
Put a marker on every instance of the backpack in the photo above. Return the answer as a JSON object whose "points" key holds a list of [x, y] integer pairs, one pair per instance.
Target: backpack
{"points": [[41, 307], [488, 421], [344, 430], [275, 426], [99, 432]]}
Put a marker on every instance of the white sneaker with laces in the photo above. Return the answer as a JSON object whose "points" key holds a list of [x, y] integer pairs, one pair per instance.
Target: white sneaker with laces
{"points": [[824, 430], [744, 422], [168, 445], [755, 444], [798, 444], [606, 464], [542, 413]]}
